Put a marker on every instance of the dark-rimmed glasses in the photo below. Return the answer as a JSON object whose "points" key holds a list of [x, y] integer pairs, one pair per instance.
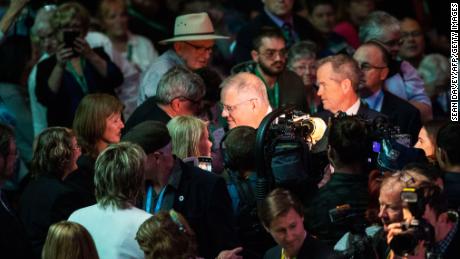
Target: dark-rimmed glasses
{"points": [[366, 66]]}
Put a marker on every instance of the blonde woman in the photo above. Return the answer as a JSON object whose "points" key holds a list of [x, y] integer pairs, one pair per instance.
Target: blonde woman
{"points": [[189, 136], [69, 240]]}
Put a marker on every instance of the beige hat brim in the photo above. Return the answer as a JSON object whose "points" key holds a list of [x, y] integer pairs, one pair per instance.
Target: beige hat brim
{"points": [[193, 37]]}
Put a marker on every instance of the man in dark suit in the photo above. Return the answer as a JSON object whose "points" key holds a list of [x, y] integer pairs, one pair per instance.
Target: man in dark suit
{"points": [[200, 196], [179, 92], [275, 14], [338, 78], [373, 60], [269, 57], [13, 240]]}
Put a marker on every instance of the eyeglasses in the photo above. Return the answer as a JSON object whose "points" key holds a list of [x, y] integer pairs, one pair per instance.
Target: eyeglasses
{"points": [[366, 66], [271, 53], [413, 34], [232, 108], [200, 49], [302, 68], [393, 43]]}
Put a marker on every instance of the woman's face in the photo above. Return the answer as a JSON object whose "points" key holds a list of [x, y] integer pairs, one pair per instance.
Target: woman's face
{"points": [[115, 20], [205, 144], [306, 69], [113, 127], [424, 142]]}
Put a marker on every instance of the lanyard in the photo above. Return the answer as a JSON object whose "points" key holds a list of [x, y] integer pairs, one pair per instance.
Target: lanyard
{"points": [[273, 93], [148, 202], [81, 80], [283, 256]]}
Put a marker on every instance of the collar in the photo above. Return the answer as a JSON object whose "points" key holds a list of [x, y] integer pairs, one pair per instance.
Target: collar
{"points": [[353, 110], [171, 54], [176, 174], [278, 21], [442, 245], [375, 101]]}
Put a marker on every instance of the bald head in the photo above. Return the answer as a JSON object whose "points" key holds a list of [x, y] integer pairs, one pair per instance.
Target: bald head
{"points": [[245, 100]]}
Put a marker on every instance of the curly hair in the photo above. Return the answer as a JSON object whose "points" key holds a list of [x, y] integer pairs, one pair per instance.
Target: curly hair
{"points": [[53, 151], [69, 13], [166, 235]]}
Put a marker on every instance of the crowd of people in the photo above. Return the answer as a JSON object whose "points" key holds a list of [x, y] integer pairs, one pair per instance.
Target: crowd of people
{"points": [[132, 129]]}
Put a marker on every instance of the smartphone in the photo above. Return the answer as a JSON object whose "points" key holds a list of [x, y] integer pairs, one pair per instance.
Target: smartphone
{"points": [[205, 163], [69, 38]]}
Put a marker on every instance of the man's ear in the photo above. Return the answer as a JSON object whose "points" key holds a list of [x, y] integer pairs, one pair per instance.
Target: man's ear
{"points": [[178, 47], [346, 86], [255, 56], [384, 73], [443, 218], [176, 104]]}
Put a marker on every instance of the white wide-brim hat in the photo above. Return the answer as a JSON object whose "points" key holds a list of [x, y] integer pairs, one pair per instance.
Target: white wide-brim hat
{"points": [[195, 26]]}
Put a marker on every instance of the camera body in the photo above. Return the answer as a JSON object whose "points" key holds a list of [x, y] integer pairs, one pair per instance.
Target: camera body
{"points": [[283, 142], [418, 229]]}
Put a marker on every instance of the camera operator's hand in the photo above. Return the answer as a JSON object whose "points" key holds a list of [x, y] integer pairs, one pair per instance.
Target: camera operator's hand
{"points": [[230, 254], [395, 229]]}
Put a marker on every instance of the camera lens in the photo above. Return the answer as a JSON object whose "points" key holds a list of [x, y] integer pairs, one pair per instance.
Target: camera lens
{"points": [[404, 243]]}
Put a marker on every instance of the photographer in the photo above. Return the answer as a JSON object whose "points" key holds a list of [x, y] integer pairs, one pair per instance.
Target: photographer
{"points": [[439, 239], [390, 211], [238, 152], [347, 151], [75, 70]]}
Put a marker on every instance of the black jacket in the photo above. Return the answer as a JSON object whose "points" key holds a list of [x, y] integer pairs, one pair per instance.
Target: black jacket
{"points": [[403, 114], [45, 201], [311, 248], [203, 199], [61, 106], [148, 110]]}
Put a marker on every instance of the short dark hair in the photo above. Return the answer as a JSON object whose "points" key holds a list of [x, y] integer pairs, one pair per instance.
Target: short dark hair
{"points": [[266, 32], [435, 197], [312, 4], [278, 203], [349, 140], [6, 136], [449, 140], [240, 145], [386, 56]]}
